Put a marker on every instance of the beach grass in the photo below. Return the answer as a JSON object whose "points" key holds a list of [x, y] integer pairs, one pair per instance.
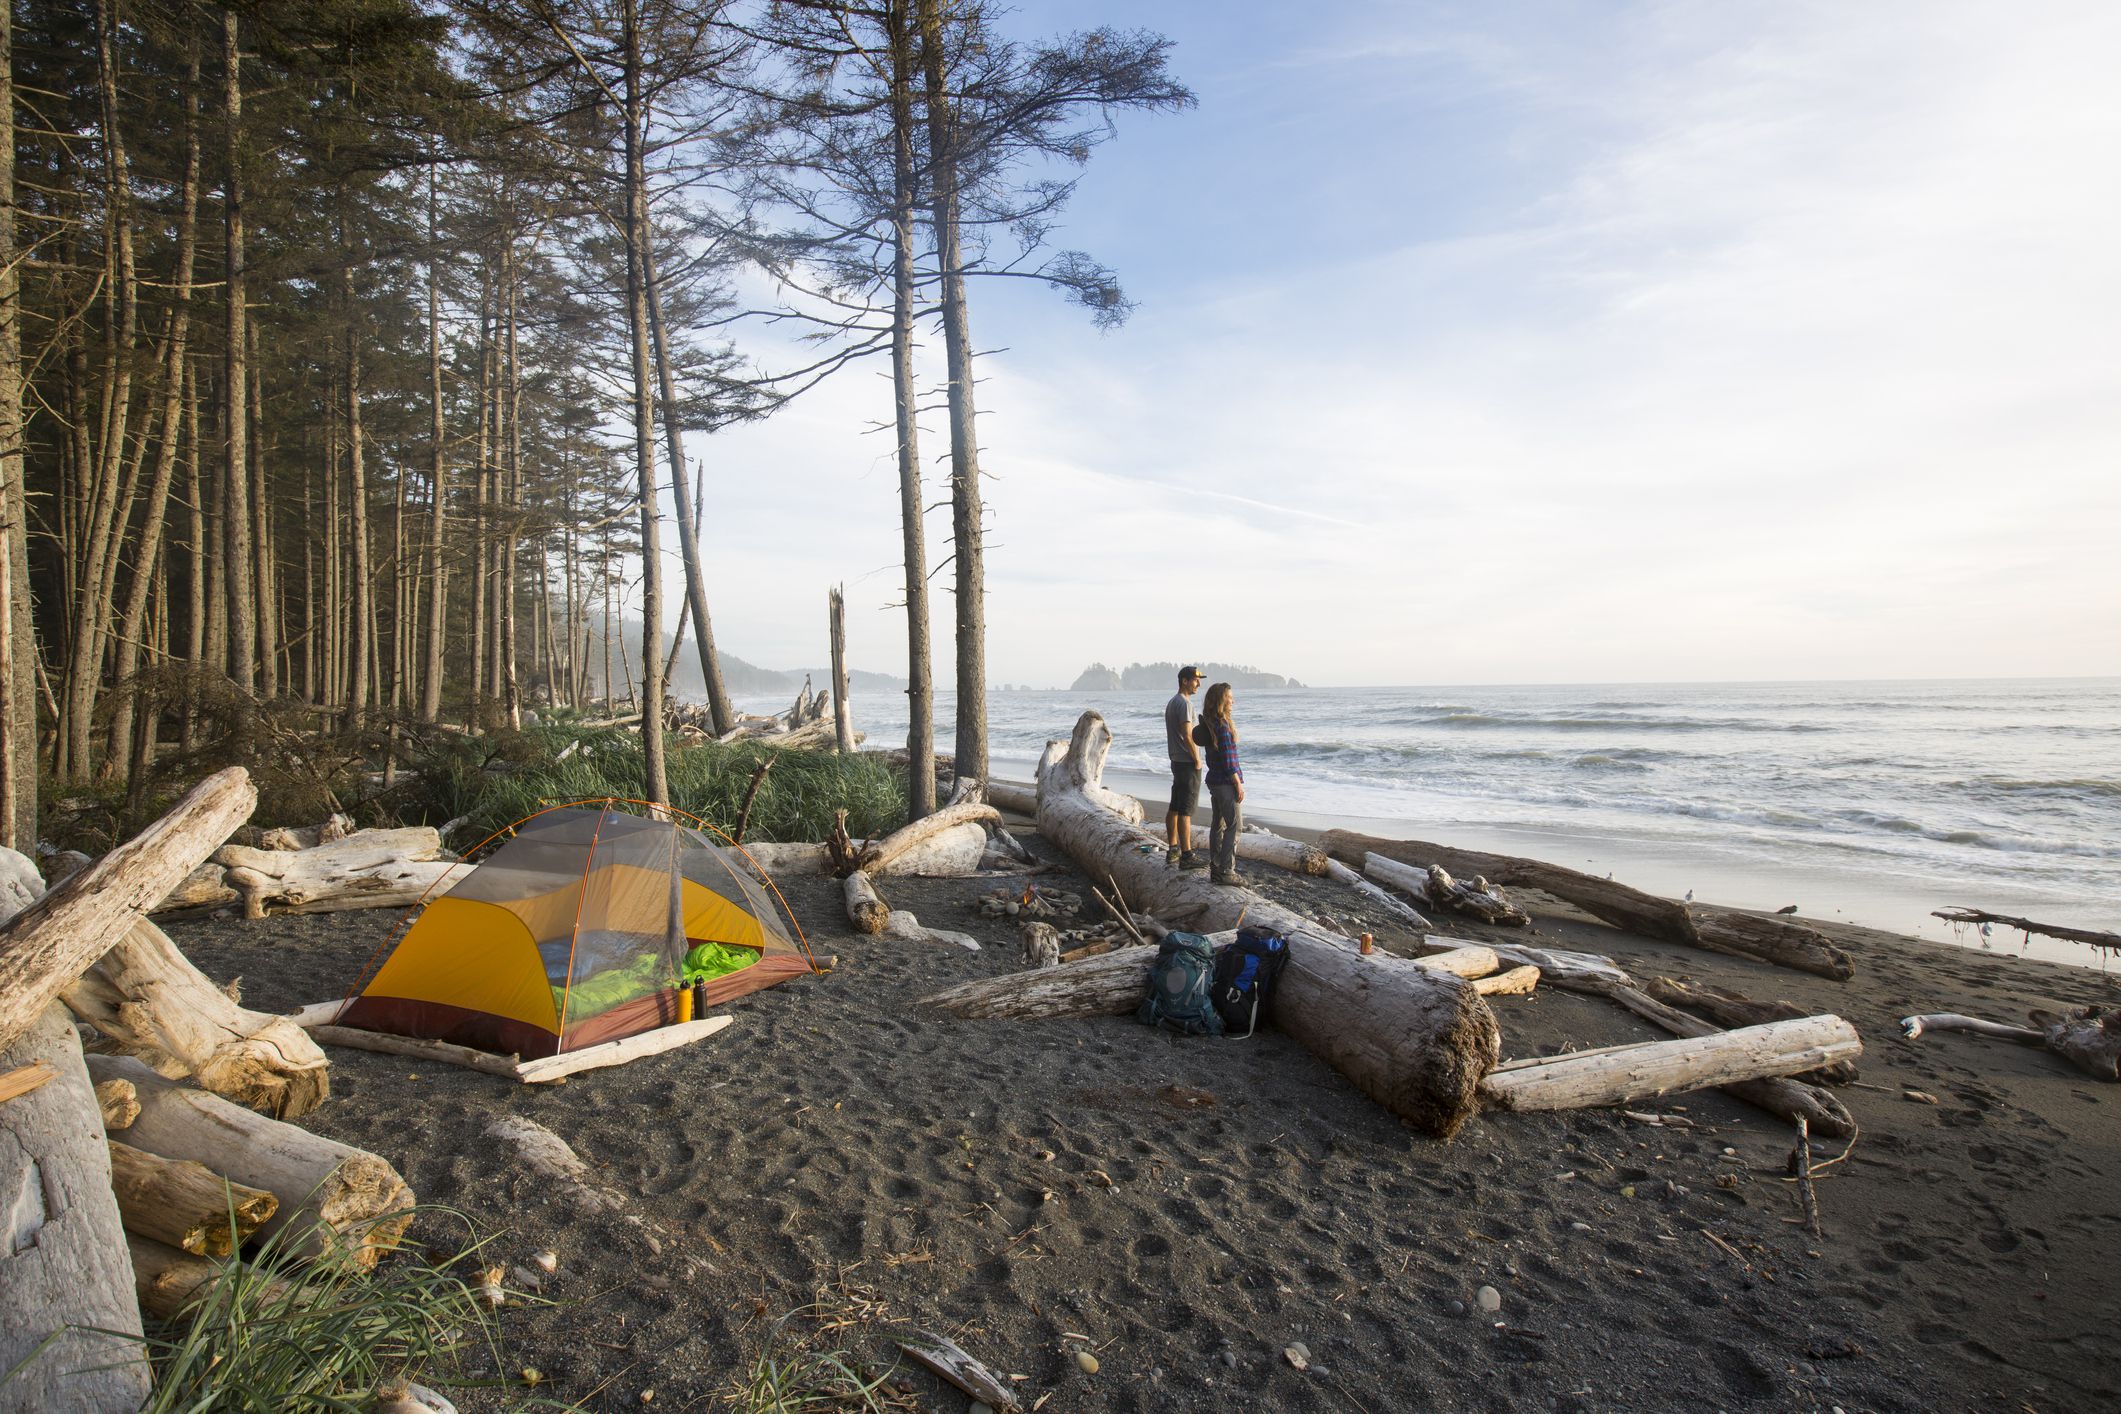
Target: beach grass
{"points": [[796, 1373], [494, 781]]}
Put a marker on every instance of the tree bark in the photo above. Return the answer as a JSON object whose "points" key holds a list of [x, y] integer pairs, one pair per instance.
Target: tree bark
{"points": [[332, 1197], [437, 476], [18, 689], [842, 719], [239, 565], [63, 1263], [920, 683], [185, 1204], [53, 941], [656, 783], [1415, 1040], [967, 526]]}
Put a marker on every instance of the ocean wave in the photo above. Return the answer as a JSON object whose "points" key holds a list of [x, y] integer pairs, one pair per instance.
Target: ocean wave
{"points": [[1622, 722], [2084, 788], [1608, 761]]}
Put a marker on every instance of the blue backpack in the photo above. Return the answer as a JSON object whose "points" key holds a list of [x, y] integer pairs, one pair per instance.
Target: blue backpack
{"points": [[1179, 982], [1242, 990]]}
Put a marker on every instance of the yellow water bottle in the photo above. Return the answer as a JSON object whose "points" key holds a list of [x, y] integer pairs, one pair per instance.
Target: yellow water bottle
{"points": [[684, 1003]]}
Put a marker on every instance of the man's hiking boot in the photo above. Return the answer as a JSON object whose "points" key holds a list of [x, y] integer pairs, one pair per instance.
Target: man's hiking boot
{"points": [[1193, 859], [1172, 857], [1223, 876]]}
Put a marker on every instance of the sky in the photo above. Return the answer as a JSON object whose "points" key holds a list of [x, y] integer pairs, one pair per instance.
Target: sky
{"points": [[1561, 342]]}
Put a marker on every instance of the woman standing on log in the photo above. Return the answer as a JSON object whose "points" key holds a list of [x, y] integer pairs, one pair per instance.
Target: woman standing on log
{"points": [[1226, 785]]}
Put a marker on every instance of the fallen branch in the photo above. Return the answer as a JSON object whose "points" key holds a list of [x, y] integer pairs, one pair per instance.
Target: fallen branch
{"points": [[2088, 1037], [2088, 936]]}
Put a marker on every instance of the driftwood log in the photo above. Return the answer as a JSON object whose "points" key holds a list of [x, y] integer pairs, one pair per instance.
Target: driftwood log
{"points": [[185, 1204], [205, 887], [540, 1070], [332, 1196], [1476, 898], [48, 944], [1415, 1040], [1013, 796], [146, 996], [2090, 937], [1730, 1009], [367, 869], [1392, 903], [1625, 1074], [168, 1280], [119, 1102], [904, 925], [337, 828], [1265, 847], [2088, 1037], [866, 908], [1105, 984], [63, 1269], [884, 856], [951, 852], [1768, 939]]}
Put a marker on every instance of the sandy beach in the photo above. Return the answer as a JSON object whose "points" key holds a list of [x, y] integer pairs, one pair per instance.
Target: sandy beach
{"points": [[1183, 1210]]}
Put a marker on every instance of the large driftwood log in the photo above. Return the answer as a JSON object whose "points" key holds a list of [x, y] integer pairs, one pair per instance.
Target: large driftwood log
{"points": [[1792, 1098], [1477, 898], [205, 887], [1107, 984], [1626, 1074], [1392, 903], [950, 853], [185, 1204], [1415, 1040], [905, 925], [866, 909], [1768, 939], [1730, 1009], [145, 995], [1265, 847], [52, 941], [332, 1196], [2088, 1037], [369, 869], [63, 1270], [795, 858], [1014, 797], [168, 1280], [2090, 937], [337, 828], [882, 856], [1580, 971], [1517, 982]]}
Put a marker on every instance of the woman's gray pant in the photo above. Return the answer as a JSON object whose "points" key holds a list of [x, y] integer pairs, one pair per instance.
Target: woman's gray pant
{"points": [[1227, 819]]}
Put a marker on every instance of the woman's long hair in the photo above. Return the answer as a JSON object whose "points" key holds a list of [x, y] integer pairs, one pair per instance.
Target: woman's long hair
{"points": [[1215, 707]]}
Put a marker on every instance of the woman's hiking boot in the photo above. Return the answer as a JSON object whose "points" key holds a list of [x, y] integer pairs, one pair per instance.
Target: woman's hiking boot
{"points": [[1193, 859], [1223, 876]]}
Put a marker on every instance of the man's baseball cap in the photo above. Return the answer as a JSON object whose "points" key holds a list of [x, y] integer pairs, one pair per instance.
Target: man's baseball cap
{"points": [[1189, 671]]}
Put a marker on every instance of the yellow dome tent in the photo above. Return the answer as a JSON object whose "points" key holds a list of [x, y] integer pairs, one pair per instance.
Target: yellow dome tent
{"points": [[577, 931]]}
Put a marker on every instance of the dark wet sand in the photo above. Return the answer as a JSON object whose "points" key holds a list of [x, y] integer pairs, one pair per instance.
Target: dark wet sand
{"points": [[1187, 1208]]}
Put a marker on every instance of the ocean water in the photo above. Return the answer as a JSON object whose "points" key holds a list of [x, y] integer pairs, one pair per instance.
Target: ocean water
{"points": [[1870, 802]]}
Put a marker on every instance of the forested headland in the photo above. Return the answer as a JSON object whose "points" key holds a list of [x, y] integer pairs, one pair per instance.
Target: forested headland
{"points": [[349, 350]]}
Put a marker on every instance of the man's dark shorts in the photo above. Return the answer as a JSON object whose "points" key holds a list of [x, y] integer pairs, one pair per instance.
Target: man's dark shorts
{"points": [[1185, 788]]}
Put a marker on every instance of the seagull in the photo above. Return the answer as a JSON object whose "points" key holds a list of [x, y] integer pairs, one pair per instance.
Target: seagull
{"points": [[1787, 908], [1689, 895]]}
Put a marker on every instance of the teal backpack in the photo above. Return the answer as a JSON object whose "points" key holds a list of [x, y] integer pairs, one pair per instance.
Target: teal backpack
{"points": [[1181, 986]]}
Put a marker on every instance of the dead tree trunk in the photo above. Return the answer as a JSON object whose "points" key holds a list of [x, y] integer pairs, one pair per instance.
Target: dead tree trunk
{"points": [[1416, 1040], [1624, 1074]]}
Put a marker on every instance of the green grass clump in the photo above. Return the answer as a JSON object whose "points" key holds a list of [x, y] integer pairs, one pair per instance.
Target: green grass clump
{"points": [[495, 780], [795, 1374], [278, 1333]]}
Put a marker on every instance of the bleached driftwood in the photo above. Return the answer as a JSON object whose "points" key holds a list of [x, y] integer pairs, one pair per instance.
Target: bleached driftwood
{"points": [[2088, 1037], [412, 1047], [185, 1204], [1727, 1008], [1392, 903], [2090, 937], [1014, 797], [1107, 984], [145, 995], [1627, 1074], [337, 828], [48, 944], [950, 853], [1414, 1039], [1517, 982], [619, 1052], [332, 1196], [205, 887], [904, 925], [63, 1270], [866, 908], [883, 856], [1574, 970], [948, 1360], [791, 858], [1478, 897], [1470, 961], [1631, 910], [1266, 847], [368, 869], [1789, 1097], [551, 1158]]}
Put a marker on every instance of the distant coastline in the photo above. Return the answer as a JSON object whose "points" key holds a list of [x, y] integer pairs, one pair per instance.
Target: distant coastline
{"points": [[1145, 677]]}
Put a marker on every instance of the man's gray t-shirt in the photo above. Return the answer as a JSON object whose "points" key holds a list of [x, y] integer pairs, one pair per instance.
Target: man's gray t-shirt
{"points": [[1178, 727]]}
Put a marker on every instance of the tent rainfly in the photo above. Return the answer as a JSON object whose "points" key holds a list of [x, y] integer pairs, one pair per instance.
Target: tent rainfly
{"points": [[579, 931]]}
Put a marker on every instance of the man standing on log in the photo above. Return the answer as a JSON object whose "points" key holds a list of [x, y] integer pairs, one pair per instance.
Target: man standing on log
{"points": [[1185, 774]]}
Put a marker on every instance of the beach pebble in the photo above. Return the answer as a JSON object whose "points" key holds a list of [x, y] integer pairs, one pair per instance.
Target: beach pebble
{"points": [[1456, 1308], [1088, 1361], [1581, 1227], [1489, 1298], [979, 1408], [548, 1261]]}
